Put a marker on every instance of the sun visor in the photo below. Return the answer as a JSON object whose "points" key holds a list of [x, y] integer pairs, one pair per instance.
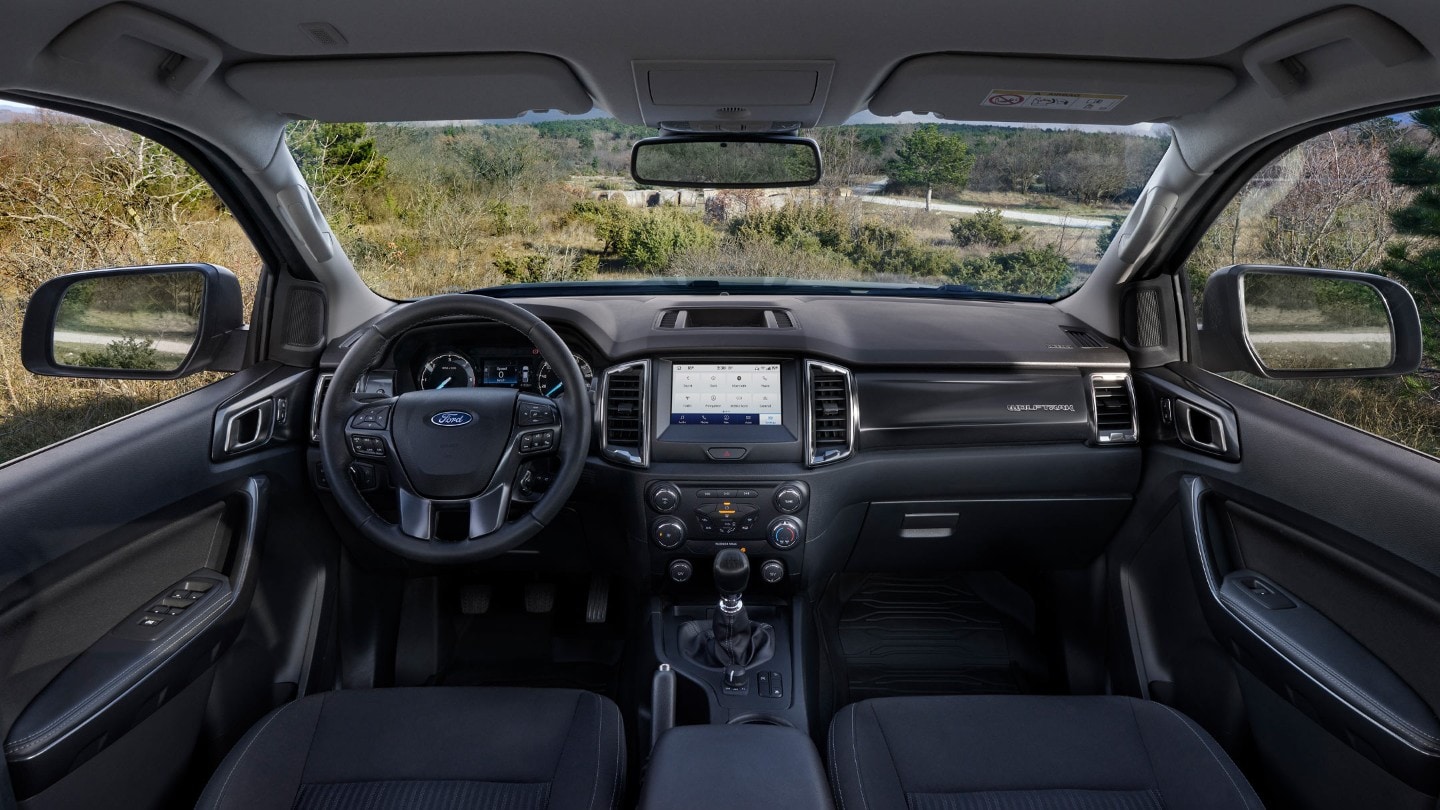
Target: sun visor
{"points": [[437, 88], [997, 88], [721, 96]]}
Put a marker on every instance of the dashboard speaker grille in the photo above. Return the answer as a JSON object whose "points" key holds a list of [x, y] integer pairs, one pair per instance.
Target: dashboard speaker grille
{"points": [[832, 412], [625, 395], [1150, 332], [1114, 403]]}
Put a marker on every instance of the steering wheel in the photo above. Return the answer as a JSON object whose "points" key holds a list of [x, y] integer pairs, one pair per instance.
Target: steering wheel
{"points": [[453, 450]]}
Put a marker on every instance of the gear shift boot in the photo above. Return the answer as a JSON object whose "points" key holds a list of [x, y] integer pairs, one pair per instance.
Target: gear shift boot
{"points": [[731, 641]]}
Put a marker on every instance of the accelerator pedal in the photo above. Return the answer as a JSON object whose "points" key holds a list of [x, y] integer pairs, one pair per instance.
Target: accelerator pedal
{"points": [[597, 606]]}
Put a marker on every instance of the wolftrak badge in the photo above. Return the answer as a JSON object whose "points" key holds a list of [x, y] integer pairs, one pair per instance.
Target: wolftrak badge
{"points": [[451, 419]]}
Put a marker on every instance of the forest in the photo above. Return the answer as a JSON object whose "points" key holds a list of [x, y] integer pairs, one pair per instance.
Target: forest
{"points": [[428, 209]]}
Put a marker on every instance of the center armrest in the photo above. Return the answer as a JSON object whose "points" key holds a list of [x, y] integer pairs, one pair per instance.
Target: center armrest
{"points": [[729, 766]]}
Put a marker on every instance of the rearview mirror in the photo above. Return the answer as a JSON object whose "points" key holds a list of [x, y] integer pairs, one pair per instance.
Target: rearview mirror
{"points": [[161, 323], [725, 161], [1285, 322]]}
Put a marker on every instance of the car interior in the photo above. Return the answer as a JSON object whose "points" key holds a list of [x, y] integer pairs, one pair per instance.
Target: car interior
{"points": [[741, 543]]}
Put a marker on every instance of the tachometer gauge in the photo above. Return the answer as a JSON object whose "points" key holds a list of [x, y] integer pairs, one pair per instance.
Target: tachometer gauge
{"points": [[549, 381], [448, 370]]}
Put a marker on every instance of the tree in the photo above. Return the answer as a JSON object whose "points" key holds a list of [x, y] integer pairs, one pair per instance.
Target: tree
{"points": [[928, 157], [335, 158], [1415, 262]]}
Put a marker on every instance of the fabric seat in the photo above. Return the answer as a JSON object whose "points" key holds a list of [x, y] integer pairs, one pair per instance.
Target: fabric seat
{"points": [[430, 748], [1027, 753]]}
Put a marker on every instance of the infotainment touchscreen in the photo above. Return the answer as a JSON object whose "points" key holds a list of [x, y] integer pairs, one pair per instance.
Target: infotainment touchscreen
{"points": [[729, 394]]}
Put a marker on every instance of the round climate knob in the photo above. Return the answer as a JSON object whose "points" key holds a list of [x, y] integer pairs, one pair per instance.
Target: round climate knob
{"points": [[789, 498], [664, 498], [785, 532], [667, 533], [681, 571], [772, 571]]}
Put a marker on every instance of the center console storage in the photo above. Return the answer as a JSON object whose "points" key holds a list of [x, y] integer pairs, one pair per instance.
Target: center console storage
{"points": [[734, 766]]}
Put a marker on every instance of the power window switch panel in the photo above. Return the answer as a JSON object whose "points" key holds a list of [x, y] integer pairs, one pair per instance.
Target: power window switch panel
{"points": [[181, 603]]}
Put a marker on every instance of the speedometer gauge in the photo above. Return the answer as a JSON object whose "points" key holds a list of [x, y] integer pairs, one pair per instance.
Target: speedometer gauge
{"points": [[549, 381], [448, 370]]}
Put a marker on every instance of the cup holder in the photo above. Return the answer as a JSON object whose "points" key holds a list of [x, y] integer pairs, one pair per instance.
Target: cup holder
{"points": [[755, 719]]}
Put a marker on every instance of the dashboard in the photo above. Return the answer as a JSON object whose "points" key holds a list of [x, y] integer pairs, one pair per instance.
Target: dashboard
{"points": [[848, 433]]}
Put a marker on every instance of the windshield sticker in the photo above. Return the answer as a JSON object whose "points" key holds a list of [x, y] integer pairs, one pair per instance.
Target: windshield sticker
{"points": [[1052, 100]]}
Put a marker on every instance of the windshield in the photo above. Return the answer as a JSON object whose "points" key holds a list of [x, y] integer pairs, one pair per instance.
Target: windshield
{"points": [[905, 207]]}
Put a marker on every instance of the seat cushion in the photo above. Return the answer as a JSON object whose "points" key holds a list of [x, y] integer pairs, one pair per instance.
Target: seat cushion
{"points": [[429, 748], [1026, 753]]}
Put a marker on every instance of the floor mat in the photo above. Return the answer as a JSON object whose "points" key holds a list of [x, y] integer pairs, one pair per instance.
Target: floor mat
{"points": [[938, 635]]}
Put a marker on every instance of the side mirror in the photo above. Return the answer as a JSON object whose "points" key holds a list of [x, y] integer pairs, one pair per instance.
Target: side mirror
{"points": [[1295, 322], [135, 323]]}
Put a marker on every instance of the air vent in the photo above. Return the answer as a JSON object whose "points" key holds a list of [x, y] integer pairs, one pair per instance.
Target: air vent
{"points": [[725, 318], [1083, 339], [624, 394], [1114, 404], [832, 413]]}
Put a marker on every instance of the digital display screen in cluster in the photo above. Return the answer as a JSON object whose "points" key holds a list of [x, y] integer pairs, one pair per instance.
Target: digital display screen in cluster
{"points": [[728, 394]]}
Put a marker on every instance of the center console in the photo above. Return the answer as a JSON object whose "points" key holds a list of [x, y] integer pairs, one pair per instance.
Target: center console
{"points": [[721, 449]]}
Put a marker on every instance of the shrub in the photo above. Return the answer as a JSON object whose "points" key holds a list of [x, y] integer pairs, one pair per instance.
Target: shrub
{"points": [[1029, 271], [127, 352], [985, 228], [536, 268], [651, 240]]}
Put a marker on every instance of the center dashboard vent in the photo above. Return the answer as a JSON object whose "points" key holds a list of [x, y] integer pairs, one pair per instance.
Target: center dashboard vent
{"points": [[624, 393], [1114, 403], [830, 395], [726, 318]]}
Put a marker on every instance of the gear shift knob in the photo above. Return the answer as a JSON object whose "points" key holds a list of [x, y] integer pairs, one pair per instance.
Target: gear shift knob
{"points": [[732, 572]]}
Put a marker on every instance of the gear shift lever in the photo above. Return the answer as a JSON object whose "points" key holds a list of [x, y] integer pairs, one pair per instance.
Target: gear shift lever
{"points": [[732, 574], [731, 642]]}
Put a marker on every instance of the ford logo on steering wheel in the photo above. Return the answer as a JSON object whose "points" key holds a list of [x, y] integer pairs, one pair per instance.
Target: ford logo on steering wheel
{"points": [[451, 419]]}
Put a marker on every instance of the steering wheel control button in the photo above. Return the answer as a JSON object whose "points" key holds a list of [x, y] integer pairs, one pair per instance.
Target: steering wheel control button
{"points": [[532, 413], [537, 441], [789, 499], [668, 533], [785, 532], [368, 446], [681, 571], [664, 497], [726, 453], [375, 417]]}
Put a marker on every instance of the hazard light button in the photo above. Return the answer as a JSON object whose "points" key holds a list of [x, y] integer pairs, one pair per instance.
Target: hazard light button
{"points": [[726, 453]]}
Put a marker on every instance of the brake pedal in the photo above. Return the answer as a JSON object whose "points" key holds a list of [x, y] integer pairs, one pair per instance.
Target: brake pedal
{"points": [[474, 599], [597, 606], [540, 597]]}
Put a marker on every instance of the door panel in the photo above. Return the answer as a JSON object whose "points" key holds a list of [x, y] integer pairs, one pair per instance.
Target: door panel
{"points": [[1317, 575], [107, 538]]}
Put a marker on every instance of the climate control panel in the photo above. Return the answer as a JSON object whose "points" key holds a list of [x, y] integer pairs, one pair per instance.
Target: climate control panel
{"points": [[726, 514]]}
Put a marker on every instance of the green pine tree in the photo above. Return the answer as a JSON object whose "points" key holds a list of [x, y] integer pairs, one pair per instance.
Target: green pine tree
{"points": [[928, 157], [1415, 260]]}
